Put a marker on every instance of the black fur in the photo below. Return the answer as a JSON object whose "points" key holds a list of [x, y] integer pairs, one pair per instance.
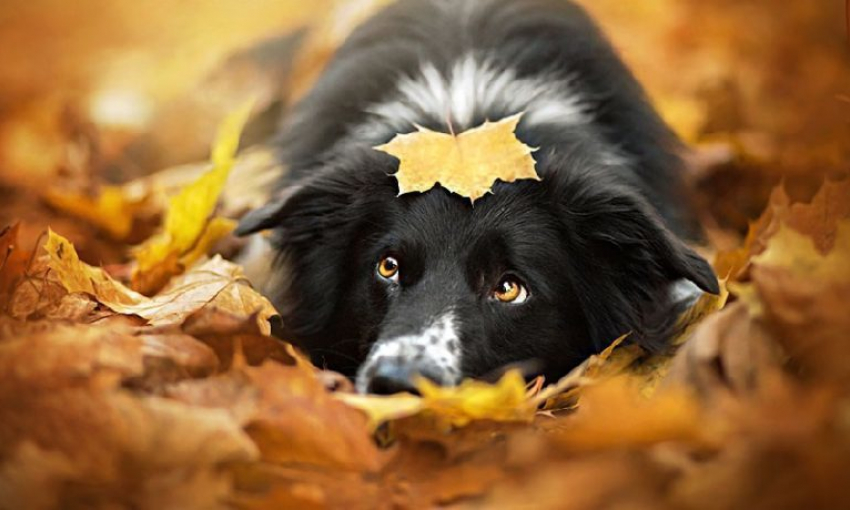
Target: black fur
{"points": [[597, 242]]}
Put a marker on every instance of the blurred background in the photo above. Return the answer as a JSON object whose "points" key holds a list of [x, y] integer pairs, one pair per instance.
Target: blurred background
{"points": [[107, 91]]}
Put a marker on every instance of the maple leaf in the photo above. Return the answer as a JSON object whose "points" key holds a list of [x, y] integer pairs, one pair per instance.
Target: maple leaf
{"points": [[452, 405], [467, 164], [793, 250], [802, 295], [77, 276], [188, 231], [215, 281]]}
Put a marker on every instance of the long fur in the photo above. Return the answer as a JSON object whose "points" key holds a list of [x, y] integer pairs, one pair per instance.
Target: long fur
{"points": [[598, 241]]}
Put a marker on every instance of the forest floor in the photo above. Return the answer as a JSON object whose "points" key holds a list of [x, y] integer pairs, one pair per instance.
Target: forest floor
{"points": [[136, 364]]}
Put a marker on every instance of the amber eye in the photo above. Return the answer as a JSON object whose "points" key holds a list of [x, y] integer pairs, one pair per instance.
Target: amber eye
{"points": [[388, 268], [510, 290]]}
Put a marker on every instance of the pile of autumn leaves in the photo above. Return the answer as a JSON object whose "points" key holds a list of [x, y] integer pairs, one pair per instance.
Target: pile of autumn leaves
{"points": [[172, 395]]}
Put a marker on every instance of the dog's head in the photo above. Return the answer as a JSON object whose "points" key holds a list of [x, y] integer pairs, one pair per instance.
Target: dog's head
{"points": [[389, 287]]}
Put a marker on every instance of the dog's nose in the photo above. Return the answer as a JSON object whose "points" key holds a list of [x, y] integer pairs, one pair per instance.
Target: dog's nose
{"points": [[391, 377]]}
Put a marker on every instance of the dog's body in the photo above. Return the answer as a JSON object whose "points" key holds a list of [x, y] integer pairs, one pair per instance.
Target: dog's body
{"points": [[387, 287]]}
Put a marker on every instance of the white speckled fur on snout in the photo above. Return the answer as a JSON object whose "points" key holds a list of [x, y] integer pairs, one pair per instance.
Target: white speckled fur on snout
{"points": [[438, 345]]}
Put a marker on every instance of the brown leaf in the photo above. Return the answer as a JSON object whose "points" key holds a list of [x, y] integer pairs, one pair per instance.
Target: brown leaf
{"points": [[215, 282], [729, 352], [802, 296], [289, 414], [614, 480], [102, 450], [13, 263], [71, 435], [227, 332]]}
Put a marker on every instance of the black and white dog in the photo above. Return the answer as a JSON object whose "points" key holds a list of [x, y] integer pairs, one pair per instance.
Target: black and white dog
{"points": [[385, 288]]}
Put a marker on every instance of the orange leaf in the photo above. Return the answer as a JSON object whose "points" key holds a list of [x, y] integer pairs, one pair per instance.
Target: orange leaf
{"points": [[13, 262]]}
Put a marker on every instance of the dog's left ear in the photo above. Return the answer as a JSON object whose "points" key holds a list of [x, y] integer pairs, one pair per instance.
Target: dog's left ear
{"points": [[620, 226], [269, 215]]}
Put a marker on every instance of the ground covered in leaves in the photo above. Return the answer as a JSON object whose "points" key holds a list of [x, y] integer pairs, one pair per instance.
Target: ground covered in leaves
{"points": [[137, 368]]}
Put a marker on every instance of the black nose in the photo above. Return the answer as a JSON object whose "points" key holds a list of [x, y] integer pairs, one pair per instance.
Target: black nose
{"points": [[391, 378]]}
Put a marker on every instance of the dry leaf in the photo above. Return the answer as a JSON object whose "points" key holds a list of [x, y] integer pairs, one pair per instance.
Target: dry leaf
{"points": [[564, 393], [13, 263], [188, 230], [802, 296], [289, 414], [113, 209], [614, 413], [77, 276], [729, 352], [467, 164], [798, 253], [457, 406], [216, 282], [475, 400], [381, 409]]}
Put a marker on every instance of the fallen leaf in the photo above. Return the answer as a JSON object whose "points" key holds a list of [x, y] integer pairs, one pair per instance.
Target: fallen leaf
{"points": [[731, 352], [798, 253], [564, 393], [616, 479], [801, 295], [217, 229], [817, 220], [289, 414], [188, 230], [215, 281], [475, 400], [614, 413], [467, 164], [226, 333], [70, 431], [457, 406], [381, 409], [112, 209], [135, 452], [77, 276], [13, 263]]}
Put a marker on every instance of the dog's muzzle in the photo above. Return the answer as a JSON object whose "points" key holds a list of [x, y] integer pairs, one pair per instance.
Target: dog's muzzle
{"points": [[394, 364]]}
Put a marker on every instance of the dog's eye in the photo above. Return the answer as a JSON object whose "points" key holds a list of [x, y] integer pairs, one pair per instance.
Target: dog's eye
{"points": [[510, 290], [388, 268]]}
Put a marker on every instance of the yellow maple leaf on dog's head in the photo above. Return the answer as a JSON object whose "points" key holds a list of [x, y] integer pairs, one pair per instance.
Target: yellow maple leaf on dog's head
{"points": [[467, 164]]}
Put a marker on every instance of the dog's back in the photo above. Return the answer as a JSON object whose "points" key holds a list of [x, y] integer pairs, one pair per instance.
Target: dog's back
{"points": [[389, 286], [449, 65]]}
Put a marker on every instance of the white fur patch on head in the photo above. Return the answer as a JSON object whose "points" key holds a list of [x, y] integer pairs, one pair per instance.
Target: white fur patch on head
{"points": [[474, 84], [436, 349]]}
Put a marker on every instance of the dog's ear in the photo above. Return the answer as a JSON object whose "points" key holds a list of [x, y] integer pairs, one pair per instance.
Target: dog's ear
{"points": [[316, 227], [620, 224], [325, 193], [269, 215], [619, 227]]}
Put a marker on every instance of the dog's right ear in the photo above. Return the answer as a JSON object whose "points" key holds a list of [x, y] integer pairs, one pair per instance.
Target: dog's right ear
{"points": [[269, 215]]}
